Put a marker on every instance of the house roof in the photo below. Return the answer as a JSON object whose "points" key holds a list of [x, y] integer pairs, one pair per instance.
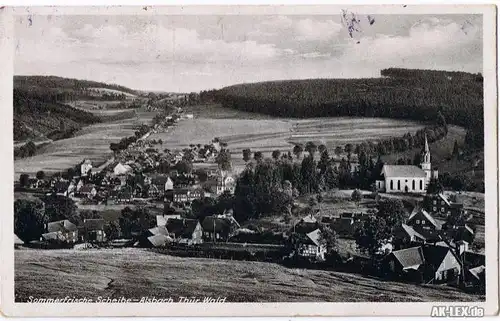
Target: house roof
{"points": [[403, 171], [477, 271], [411, 232], [160, 180], [93, 224], [435, 254], [444, 198], [159, 240], [61, 186], [51, 236], [426, 215], [315, 237], [159, 230], [216, 224], [309, 219], [87, 188], [411, 257], [61, 226], [183, 228]]}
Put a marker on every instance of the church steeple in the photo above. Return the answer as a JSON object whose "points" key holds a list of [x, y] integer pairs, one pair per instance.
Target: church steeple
{"points": [[426, 154], [426, 160]]}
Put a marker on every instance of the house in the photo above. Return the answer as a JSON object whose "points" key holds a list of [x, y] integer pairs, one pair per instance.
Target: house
{"points": [[88, 191], [225, 183], [218, 228], [438, 204], [424, 223], [185, 231], [86, 168], [121, 169], [344, 226], [184, 195], [64, 188], [154, 192], [427, 263], [310, 246], [124, 195], [35, 183], [159, 240], [442, 263], [161, 220], [61, 232], [405, 264], [476, 277], [405, 235], [407, 178], [162, 182], [159, 230], [305, 225], [93, 230]]}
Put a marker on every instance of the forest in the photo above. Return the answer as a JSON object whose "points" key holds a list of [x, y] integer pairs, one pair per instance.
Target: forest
{"points": [[398, 93]]}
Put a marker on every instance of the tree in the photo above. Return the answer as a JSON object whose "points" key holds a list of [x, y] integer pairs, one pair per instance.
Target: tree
{"points": [[356, 196], [58, 207], [223, 160], [134, 222], [328, 238], [392, 211], [258, 156], [24, 180], [348, 149], [297, 150], [202, 175], [322, 148], [29, 219], [247, 154], [338, 150], [40, 174], [434, 187], [184, 167], [311, 148], [276, 154], [372, 234]]}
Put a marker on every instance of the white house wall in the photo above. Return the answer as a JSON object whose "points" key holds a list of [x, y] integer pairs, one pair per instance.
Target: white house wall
{"points": [[420, 185]]}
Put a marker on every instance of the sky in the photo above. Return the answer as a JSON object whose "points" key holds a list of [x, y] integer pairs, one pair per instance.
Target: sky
{"points": [[192, 53]]}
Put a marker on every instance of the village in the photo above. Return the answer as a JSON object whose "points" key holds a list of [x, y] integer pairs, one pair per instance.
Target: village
{"points": [[429, 241]]}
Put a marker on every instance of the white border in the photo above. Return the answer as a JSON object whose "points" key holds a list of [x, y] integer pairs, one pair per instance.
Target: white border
{"points": [[10, 308]]}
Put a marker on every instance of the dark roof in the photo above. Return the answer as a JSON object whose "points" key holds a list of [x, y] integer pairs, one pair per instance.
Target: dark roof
{"points": [[427, 216], [183, 228], [159, 180], [61, 226], [435, 254], [410, 257], [216, 224], [93, 224], [86, 188], [61, 186]]}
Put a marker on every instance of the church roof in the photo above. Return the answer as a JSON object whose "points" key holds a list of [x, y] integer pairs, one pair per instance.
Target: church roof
{"points": [[402, 171]]}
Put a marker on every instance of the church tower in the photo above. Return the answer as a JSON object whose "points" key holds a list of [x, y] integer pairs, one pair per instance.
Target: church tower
{"points": [[425, 158]]}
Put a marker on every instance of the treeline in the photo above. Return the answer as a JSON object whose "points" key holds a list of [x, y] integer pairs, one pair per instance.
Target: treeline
{"points": [[125, 142], [402, 94], [53, 82], [36, 114]]}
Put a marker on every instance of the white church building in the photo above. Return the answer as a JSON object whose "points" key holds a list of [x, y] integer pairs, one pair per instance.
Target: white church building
{"points": [[407, 178]]}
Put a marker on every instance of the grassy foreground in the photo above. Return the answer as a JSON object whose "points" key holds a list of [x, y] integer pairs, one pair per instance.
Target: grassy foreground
{"points": [[134, 273]]}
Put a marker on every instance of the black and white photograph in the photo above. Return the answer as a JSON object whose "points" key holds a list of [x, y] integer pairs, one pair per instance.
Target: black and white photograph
{"points": [[240, 156]]}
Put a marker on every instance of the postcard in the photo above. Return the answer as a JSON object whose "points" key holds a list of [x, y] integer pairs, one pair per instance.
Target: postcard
{"points": [[314, 160]]}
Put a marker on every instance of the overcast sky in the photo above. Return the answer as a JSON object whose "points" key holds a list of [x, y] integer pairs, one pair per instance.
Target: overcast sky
{"points": [[192, 53]]}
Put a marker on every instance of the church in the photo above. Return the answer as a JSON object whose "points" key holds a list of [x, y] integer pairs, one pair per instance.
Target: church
{"points": [[407, 178]]}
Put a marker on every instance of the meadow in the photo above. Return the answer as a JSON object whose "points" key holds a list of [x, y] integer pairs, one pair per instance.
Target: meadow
{"points": [[90, 142], [269, 134], [134, 273]]}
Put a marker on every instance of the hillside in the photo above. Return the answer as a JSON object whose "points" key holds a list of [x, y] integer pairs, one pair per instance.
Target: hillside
{"points": [[136, 273], [399, 93], [65, 84], [40, 109]]}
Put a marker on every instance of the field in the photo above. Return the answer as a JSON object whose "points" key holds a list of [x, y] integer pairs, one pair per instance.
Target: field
{"points": [[268, 134], [90, 142], [134, 273]]}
